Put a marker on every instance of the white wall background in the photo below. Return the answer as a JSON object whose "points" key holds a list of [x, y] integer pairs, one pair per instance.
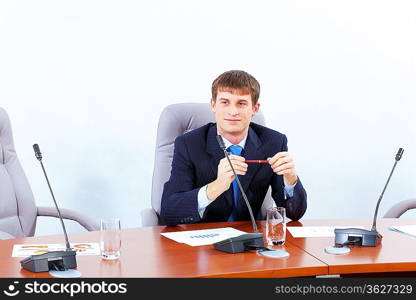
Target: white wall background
{"points": [[88, 79]]}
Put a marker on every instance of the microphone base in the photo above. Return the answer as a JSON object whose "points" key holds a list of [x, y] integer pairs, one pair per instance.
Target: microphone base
{"points": [[358, 237], [241, 243], [55, 260]]}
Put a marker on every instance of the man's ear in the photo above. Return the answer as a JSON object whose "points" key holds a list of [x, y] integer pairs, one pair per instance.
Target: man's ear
{"points": [[212, 105], [255, 109]]}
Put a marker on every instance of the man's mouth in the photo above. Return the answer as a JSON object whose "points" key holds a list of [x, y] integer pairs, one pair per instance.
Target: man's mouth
{"points": [[232, 120]]}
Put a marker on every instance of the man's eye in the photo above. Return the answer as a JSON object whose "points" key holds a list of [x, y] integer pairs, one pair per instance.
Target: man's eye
{"points": [[243, 103]]}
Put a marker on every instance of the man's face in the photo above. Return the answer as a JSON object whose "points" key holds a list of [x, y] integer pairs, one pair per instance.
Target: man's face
{"points": [[233, 111]]}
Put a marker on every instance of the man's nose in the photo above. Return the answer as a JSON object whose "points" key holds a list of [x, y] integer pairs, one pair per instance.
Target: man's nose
{"points": [[233, 111]]}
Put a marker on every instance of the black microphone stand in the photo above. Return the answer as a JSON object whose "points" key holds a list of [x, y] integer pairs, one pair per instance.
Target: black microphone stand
{"points": [[244, 242], [363, 237], [55, 260]]}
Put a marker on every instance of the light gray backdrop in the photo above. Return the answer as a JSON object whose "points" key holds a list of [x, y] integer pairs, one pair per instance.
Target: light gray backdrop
{"points": [[87, 80]]}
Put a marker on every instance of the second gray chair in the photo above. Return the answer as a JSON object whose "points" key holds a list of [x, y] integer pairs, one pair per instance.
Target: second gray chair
{"points": [[18, 211], [175, 120], [400, 208]]}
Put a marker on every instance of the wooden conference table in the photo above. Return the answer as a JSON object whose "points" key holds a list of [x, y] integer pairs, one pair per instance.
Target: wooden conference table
{"points": [[146, 253]]}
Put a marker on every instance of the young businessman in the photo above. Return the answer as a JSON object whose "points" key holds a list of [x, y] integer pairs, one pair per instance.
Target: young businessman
{"points": [[201, 187]]}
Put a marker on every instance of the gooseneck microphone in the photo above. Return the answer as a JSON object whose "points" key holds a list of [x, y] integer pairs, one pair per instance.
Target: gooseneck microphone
{"points": [[222, 145], [396, 159], [38, 155], [55, 260], [243, 242], [363, 237]]}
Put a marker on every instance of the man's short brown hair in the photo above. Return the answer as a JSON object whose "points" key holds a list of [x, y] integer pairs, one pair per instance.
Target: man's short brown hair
{"points": [[236, 81]]}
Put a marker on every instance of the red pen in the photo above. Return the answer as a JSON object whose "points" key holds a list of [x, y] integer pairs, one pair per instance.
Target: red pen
{"points": [[257, 161]]}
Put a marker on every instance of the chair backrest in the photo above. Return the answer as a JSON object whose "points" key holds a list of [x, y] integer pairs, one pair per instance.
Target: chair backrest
{"points": [[175, 120], [17, 206]]}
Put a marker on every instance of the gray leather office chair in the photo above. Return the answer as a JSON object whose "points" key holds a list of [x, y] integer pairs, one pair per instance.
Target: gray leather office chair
{"points": [[175, 120], [18, 211], [400, 208]]}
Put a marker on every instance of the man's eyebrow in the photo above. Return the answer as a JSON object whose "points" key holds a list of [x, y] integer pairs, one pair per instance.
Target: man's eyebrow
{"points": [[224, 99]]}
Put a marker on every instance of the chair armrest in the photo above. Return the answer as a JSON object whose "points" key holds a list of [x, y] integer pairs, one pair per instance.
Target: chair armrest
{"points": [[149, 217], [69, 214], [400, 208], [5, 236]]}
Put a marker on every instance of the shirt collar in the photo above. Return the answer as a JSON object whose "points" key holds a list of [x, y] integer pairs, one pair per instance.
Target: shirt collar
{"points": [[241, 144]]}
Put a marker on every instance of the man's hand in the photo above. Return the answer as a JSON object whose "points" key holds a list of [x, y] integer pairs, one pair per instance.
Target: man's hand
{"points": [[225, 175], [282, 164]]}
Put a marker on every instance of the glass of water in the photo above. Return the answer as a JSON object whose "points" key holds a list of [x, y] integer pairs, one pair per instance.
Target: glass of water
{"points": [[276, 226], [110, 238]]}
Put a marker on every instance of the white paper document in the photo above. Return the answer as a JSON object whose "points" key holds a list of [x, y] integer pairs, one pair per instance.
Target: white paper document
{"points": [[203, 237], [24, 250], [406, 229], [315, 231]]}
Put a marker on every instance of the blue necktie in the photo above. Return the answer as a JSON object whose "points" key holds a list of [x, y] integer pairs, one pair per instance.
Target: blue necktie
{"points": [[236, 150]]}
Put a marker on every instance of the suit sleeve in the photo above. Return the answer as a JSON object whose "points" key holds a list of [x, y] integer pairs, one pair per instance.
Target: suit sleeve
{"points": [[295, 205], [180, 197]]}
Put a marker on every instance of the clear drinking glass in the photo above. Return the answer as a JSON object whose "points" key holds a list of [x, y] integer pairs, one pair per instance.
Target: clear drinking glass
{"points": [[110, 238], [276, 226]]}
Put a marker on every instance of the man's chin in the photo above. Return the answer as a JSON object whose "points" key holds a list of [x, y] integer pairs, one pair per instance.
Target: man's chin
{"points": [[233, 129]]}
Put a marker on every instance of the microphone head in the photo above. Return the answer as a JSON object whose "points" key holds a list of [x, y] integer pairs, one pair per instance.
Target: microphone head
{"points": [[38, 154], [220, 141], [399, 154]]}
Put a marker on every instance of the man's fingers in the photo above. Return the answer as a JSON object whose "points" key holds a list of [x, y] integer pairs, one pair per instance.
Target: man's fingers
{"points": [[235, 163], [240, 167], [277, 156], [284, 172], [287, 165], [236, 169], [235, 157], [238, 172], [284, 169], [281, 161]]}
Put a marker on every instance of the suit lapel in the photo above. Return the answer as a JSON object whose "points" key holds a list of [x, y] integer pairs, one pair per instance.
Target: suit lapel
{"points": [[216, 153], [252, 150]]}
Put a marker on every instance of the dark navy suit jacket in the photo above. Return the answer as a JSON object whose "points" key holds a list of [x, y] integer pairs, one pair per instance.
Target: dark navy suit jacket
{"points": [[195, 164]]}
